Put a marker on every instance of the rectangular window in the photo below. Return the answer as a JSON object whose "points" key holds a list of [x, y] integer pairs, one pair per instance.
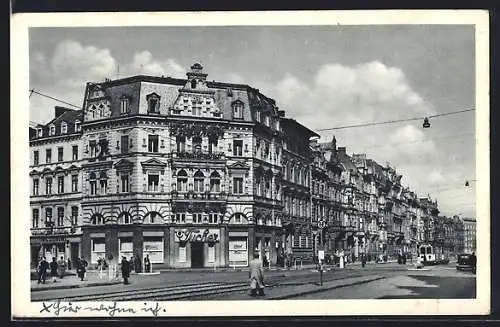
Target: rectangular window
{"points": [[48, 155], [123, 106], [237, 148], [36, 218], [103, 186], [181, 144], [48, 216], [124, 183], [197, 218], [77, 126], [64, 128], [153, 105], [215, 185], [153, 181], [153, 143], [238, 185], [75, 152], [237, 218], [154, 247], [74, 215], [197, 144], [124, 144], [35, 158], [35, 186], [48, 185], [93, 187], [212, 145], [213, 218], [60, 184], [93, 148], [60, 153], [180, 217], [98, 249], [74, 183], [60, 216]]}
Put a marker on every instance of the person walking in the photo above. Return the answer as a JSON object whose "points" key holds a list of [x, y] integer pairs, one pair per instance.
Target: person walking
{"points": [[125, 270], [363, 260], [256, 274], [147, 264], [473, 262], [43, 265], [62, 267], [53, 269], [81, 268], [69, 264]]}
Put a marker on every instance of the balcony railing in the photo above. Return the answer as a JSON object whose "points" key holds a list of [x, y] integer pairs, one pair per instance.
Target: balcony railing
{"points": [[198, 156]]}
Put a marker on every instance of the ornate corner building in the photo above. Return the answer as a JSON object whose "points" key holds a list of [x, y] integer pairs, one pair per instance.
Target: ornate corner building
{"points": [[198, 173]]}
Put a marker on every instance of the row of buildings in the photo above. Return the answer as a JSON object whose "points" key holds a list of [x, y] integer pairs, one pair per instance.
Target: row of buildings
{"points": [[198, 173]]}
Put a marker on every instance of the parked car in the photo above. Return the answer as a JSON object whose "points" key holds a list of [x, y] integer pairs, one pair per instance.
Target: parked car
{"points": [[465, 262]]}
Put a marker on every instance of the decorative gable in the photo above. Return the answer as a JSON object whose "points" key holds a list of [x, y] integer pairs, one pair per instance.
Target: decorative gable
{"points": [[153, 164], [124, 165]]}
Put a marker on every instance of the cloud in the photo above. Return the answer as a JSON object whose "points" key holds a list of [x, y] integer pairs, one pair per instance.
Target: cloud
{"points": [[144, 63]]}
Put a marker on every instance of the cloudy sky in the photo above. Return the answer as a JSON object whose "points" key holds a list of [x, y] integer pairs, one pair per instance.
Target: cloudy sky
{"points": [[323, 76]]}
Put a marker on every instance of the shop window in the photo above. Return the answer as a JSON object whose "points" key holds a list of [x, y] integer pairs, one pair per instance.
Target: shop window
{"points": [[48, 185], [153, 182], [199, 180], [153, 246], [211, 253], [98, 249], [35, 158], [36, 218], [60, 184], [238, 185], [153, 143], [182, 180], [182, 252], [238, 148], [215, 182], [126, 247], [60, 216], [36, 184], [48, 156]]}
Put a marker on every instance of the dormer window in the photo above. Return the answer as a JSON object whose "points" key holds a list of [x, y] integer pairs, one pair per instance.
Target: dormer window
{"points": [[193, 84], [267, 120], [64, 128], [124, 103], [237, 109], [153, 103], [257, 115], [52, 130], [39, 132], [78, 126]]}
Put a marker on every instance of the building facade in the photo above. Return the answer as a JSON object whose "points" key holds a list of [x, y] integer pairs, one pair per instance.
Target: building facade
{"points": [[469, 235]]}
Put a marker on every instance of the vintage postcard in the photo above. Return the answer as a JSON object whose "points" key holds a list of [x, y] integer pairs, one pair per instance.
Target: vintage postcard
{"points": [[250, 164]]}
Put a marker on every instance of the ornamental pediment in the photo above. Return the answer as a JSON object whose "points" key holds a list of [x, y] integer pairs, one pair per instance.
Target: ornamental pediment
{"points": [[124, 164], [153, 163], [239, 165]]}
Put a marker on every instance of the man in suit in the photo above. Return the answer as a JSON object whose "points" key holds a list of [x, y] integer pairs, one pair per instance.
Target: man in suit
{"points": [[125, 270], [256, 274]]}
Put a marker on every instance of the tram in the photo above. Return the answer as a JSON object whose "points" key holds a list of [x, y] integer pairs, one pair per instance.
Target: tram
{"points": [[426, 254]]}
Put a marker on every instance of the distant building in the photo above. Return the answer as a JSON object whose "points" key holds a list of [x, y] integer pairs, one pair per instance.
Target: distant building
{"points": [[469, 234]]}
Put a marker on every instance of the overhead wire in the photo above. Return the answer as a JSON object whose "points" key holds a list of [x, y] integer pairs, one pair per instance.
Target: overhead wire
{"points": [[53, 98]]}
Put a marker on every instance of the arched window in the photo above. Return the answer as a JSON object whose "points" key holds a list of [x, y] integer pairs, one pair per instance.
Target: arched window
{"points": [[197, 144], [93, 183], [103, 183], [215, 182], [199, 180], [182, 180], [124, 218], [193, 84], [97, 219], [152, 217]]}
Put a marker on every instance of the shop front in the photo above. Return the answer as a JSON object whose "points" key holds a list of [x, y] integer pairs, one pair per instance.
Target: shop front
{"points": [[62, 243]]}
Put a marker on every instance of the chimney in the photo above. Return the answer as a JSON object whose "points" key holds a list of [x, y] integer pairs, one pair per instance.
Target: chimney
{"points": [[60, 110], [341, 150]]}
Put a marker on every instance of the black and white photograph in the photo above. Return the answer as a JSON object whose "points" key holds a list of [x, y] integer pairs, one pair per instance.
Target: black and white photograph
{"points": [[194, 164]]}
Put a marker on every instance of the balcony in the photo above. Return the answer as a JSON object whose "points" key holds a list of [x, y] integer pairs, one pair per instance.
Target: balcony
{"points": [[198, 156]]}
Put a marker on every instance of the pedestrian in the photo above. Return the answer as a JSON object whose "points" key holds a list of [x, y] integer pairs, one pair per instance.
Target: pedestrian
{"points": [[147, 264], [43, 265], [125, 270], [69, 264], [81, 268], [473, 262], [62, 267], [53, 269], [341, 260], [363, 260], [256, 275]]}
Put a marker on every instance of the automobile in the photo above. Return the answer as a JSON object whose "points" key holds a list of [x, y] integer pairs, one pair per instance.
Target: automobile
{"points": [[465, 262]]}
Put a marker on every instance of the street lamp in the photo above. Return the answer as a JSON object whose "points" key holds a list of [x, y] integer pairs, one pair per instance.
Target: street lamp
{"points": [[468, 182]]}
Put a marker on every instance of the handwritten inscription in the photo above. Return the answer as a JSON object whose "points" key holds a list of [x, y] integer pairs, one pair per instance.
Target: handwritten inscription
{"points": [[197, 236], [57, 307]]}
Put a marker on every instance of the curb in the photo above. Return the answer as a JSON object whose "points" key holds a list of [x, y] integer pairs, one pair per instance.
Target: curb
{"points": [[288, 296], [74, 286]]}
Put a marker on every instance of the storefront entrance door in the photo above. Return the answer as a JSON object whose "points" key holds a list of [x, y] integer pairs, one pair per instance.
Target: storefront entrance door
{"points": [[196, 255], [74, 252]]}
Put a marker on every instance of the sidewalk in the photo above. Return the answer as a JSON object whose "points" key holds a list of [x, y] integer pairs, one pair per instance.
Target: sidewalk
{"points": [[92, 278]]}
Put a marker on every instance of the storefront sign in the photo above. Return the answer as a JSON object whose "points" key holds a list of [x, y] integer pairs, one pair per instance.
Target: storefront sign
{"points": [[197, 235]]}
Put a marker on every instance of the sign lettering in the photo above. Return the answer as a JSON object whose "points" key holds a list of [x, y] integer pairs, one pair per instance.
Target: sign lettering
{"points": [[203, 236]]}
